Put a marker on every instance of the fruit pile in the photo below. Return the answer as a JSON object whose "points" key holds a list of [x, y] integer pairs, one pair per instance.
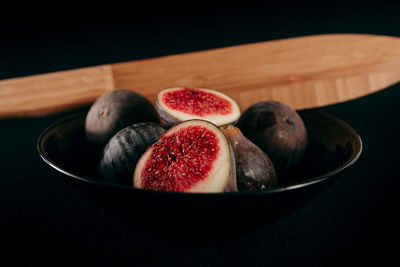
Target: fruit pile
{"points": [[193, 140]]}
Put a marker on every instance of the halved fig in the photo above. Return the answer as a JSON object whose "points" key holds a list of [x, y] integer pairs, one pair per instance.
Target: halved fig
{"points": [[179, 104], [193, 156], [254, 169]]}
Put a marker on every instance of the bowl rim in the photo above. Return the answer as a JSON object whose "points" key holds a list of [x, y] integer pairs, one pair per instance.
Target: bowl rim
{"points": [[279, 189]]}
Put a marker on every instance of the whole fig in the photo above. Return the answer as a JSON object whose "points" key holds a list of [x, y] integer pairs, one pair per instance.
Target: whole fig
{"points": [[254, 169], [124, 149], [114, 111], [278, 130]]}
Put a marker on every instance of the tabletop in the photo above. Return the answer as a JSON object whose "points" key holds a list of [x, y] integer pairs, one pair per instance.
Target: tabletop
{"points": [[43, 223]]}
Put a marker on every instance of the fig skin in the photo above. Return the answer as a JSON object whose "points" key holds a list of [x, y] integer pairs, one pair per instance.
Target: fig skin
{"points": [[254, 169], [278, 130], [172, 153], [124, 149], [114, 111]]}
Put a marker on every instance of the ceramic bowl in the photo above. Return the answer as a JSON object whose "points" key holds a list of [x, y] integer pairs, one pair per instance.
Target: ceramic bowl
{"points": [[333, 147]]}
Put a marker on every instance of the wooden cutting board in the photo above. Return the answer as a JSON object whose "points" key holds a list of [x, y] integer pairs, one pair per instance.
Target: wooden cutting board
{"points": [[304, 72]]}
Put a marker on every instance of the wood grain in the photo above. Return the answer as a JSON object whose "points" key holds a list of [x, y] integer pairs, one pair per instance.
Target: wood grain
{"points": [[304, 72]]}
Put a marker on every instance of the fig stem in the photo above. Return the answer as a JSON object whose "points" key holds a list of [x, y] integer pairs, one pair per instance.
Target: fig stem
{"points": [[229, 130]]}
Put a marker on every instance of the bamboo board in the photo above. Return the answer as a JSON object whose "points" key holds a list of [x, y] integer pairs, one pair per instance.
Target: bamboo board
{"points": [[303, 72]]}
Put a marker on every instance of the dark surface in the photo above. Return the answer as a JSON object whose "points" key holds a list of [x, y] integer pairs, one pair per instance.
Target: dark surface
{"points": [[43, 223]]}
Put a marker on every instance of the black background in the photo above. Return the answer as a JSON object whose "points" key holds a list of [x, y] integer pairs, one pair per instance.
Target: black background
{"points": [[43, 223]]}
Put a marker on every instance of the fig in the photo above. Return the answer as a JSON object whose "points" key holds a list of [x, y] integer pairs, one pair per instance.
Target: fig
{"points": [[254, 169], [124, 149], [278, 130], [178, 104], [192, 156], [114, 111]]}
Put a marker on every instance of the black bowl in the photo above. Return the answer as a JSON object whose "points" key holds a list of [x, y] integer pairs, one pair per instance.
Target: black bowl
{"points": [[333, 147]]}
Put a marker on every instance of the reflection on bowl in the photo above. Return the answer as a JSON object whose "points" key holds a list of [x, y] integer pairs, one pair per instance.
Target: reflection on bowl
{"points": [[333, 146]]}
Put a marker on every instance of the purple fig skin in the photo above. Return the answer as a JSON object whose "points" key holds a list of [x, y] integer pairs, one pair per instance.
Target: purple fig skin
{"points": [[124, 149], [114, 111], [278, 130], [232, 186], [254, 169], [166, 119]]}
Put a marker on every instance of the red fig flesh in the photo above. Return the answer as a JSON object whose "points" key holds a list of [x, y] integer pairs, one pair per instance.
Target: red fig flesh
{"points": [[193, 156], [178, 104], [254, 169]]}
